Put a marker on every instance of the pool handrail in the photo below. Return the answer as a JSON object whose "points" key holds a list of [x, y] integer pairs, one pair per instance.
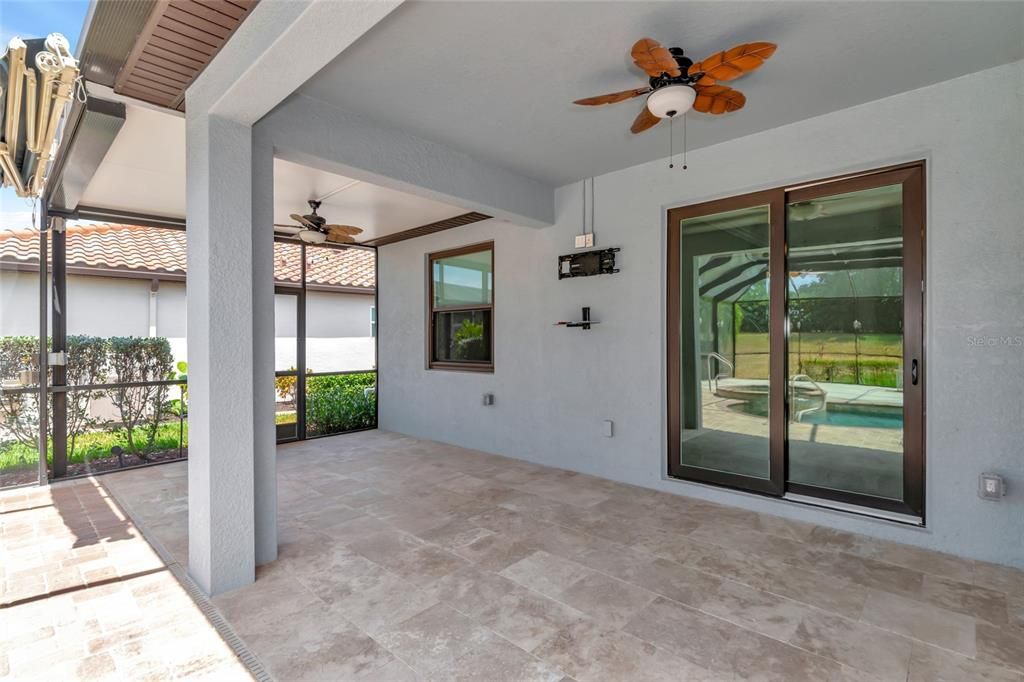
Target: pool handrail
{"points": [[819, 391], [720, 358]]}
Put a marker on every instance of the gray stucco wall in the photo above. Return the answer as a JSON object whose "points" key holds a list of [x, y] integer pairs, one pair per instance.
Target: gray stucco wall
{"points": [[554, 386]]}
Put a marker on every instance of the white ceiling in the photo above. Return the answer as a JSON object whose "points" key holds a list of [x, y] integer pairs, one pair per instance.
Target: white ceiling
{"points": [[144, 169], [144, 172], [378, 210], [496, 79]]}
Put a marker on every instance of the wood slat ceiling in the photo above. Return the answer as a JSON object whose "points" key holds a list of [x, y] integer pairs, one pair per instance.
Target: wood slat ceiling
{"points": [[178, 41], [430, 228]]}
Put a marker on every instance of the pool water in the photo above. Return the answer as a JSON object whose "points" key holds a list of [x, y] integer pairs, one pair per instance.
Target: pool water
{"points": [[864, 419]]}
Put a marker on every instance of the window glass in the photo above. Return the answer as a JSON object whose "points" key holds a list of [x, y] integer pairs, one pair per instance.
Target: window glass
{"points": [[463, 336], [461, 308], [462, 280]]}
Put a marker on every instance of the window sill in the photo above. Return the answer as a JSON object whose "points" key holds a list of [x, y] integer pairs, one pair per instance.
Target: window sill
{"points": [[478, 368]]}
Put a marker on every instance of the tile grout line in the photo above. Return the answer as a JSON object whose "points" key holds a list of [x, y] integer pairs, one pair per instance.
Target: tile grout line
{"points": [[212, 614]]}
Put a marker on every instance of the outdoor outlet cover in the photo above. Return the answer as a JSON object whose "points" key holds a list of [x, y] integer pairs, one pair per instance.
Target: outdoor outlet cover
{"points": [[584, 240], [991, 487], [488, 399]]}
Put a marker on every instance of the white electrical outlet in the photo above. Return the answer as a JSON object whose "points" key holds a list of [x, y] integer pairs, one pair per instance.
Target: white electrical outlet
{"points": [[588, 239], [991, 487], [607, 428]]}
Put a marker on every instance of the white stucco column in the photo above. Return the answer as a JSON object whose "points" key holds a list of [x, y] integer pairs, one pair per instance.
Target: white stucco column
{"points": [[230, 181], [264, 428], [221, 491]]}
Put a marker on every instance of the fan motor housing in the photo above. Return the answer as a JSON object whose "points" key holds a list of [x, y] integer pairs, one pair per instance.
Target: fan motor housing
{"points": [[684, 63]]}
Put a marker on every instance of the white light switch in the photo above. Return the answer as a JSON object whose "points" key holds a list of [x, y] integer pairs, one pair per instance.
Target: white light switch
{"points": [[607, 428]]}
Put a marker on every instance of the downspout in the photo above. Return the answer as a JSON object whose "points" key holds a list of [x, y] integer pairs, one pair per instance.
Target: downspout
{"points": [[154, 287]]}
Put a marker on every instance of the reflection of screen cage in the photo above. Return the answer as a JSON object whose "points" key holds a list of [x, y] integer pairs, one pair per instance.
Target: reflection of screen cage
{"points": [[863, 314]]}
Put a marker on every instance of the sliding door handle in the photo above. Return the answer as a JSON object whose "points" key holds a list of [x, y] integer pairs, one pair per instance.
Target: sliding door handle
{"points": [[913, 372]]}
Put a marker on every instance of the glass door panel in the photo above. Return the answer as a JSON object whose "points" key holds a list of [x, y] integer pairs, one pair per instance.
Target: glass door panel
{"points": [[846, 351], [724, 347]]}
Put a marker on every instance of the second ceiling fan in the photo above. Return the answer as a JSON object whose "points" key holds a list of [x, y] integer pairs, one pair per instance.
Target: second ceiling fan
{"points": [[314, 229], [677, 84]]}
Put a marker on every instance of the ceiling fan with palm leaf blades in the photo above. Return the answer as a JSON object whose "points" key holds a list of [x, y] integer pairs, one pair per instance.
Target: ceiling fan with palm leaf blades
{"points": [[677, 84], [314, 229]]}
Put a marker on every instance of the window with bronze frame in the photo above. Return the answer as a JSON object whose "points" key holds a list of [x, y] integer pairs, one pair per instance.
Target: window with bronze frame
{"points": [[460, 308]]}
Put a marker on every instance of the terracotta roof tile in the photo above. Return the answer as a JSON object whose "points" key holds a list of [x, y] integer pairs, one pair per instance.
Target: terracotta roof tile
{"points": [[135, 248]]}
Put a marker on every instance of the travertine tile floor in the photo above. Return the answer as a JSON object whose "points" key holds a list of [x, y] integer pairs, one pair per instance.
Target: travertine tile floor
{"points": [[84, 597], [408, 559]]}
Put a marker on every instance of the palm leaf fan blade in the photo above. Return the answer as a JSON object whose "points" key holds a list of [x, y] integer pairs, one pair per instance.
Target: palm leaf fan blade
{"points": [[654, 59], [612, 97], [734, 62], [718, 99], [644, 120]]}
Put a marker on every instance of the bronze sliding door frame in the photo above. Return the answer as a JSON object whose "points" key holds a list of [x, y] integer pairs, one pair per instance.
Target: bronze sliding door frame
{"points": [[911, 176], [775, 201]]}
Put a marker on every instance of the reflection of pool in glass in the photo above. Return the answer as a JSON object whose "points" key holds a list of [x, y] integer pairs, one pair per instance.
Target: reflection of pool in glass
{"points": [[879, 418]]}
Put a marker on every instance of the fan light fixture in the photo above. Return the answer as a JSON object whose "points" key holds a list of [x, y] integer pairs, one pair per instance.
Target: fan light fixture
{"points": [[671, 100], [312, 236]]}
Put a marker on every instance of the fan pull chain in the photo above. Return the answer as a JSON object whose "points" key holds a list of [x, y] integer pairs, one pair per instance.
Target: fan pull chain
{"points": [[684, 141], [671, 142]]}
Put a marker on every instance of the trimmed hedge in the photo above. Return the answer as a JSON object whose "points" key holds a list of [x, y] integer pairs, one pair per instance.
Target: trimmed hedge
{"points": [[93, 360], [340, 402]]}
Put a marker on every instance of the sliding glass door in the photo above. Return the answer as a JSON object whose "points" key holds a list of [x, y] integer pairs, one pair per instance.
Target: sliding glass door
{"points": [[795, 341]]}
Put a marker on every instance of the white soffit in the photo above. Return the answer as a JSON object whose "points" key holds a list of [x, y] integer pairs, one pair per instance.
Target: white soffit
{"points": [[144, 172], [144, 169], [378, 210]]}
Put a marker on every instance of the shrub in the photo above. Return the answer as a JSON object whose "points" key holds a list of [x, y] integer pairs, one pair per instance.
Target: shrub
{"points": [[340, 403], [140, 359], [88, 364], [285, 386], [19, 412], [469, 341]]}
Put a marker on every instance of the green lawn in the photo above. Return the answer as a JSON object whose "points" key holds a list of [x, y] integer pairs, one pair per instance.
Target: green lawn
{"points": [[827, 344], [827, 357], [90, 446]]}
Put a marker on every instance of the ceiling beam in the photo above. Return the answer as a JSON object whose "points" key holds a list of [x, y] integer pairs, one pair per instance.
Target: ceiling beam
{"points": [[307, 131], [277, 48]]}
